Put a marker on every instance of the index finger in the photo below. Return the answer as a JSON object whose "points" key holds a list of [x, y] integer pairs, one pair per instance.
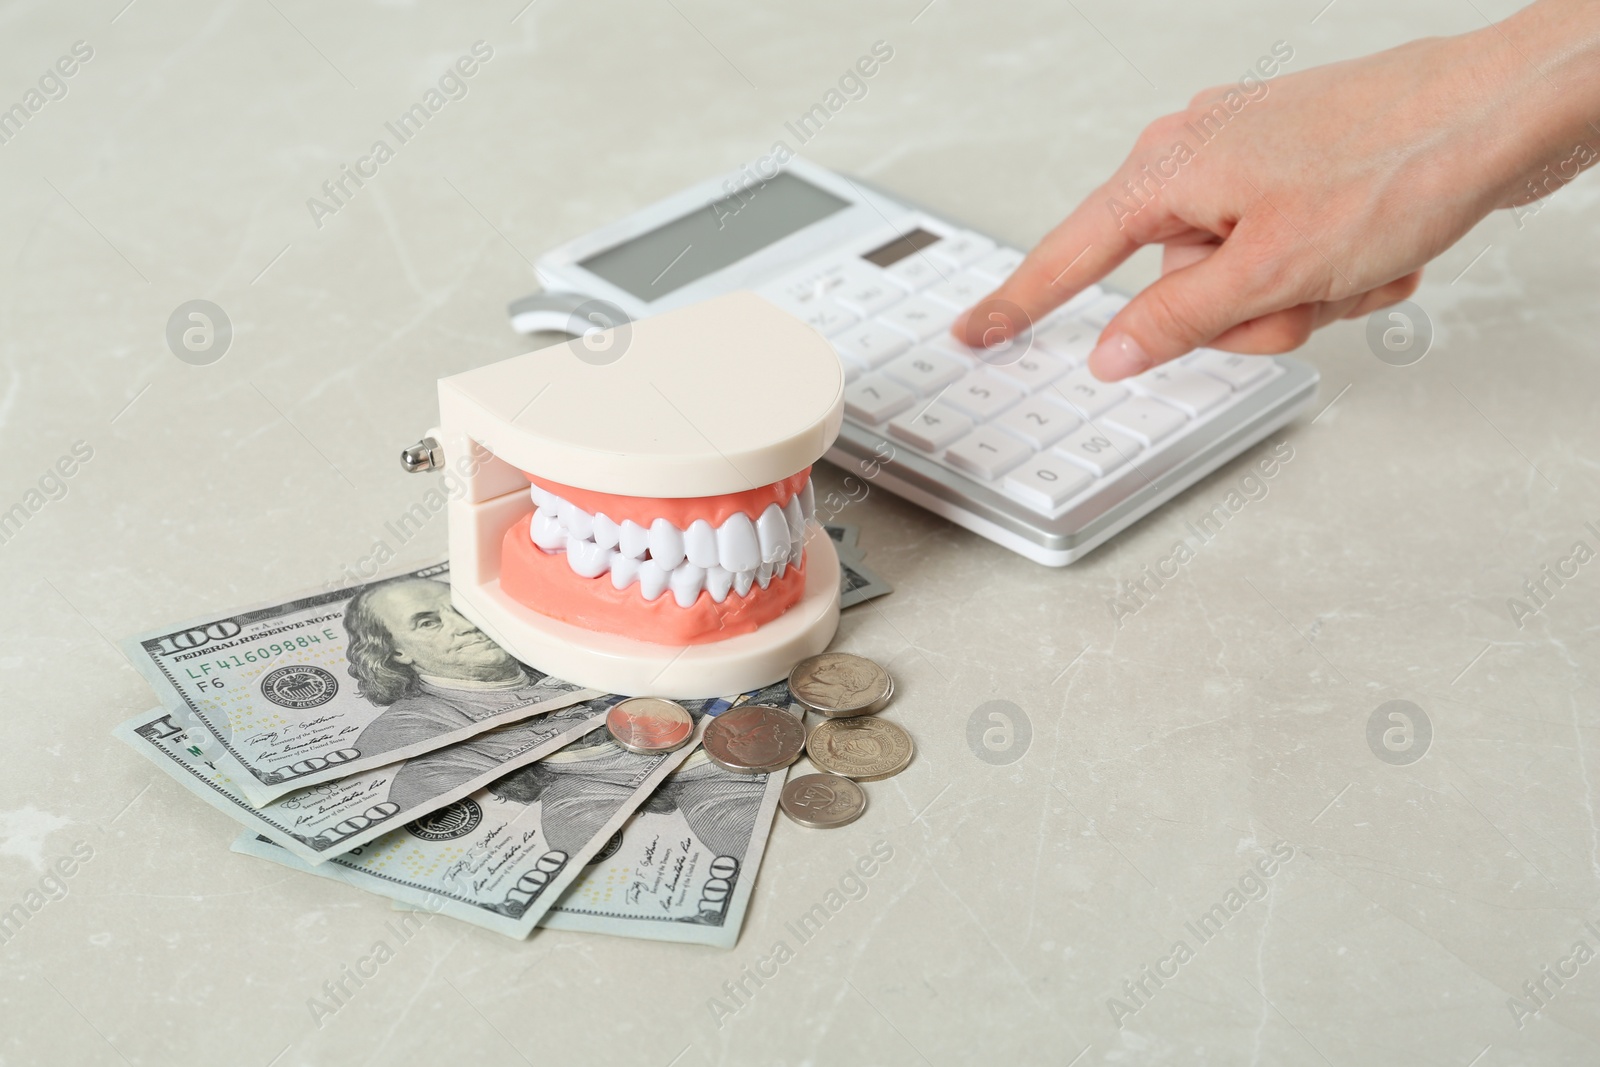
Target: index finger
{"points": [[1084, 248]]}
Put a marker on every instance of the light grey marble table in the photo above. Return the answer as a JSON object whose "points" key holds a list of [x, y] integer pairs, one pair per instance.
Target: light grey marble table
{"points": [[1172, 750]]}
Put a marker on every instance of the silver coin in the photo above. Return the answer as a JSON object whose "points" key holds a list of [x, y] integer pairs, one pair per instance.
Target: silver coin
{"points": [[865, 749], [823, 801], [755, 739], [839, 685], [649, 724]]}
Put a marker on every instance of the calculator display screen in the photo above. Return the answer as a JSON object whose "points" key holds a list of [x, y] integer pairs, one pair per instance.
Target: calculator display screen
{"points": [[722, 232]]}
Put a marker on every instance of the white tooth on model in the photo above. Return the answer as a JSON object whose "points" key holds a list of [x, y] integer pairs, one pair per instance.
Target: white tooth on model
{"points": [[773, 531], [605, 532], [633, 539], [652, 579], [579, 523], [796, 520], [718, 581], [797, 529], [624, 569], [734, 558], [700, 544], [547, 532], [687, 581], [738, 546], [666, 544], [587, 559]]}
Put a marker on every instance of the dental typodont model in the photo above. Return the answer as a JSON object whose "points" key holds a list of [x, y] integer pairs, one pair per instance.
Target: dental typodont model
{"points": [[637, 502]]}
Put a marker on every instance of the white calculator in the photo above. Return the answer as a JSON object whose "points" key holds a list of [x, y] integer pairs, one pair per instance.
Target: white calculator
{"points": [[1027, 448]]}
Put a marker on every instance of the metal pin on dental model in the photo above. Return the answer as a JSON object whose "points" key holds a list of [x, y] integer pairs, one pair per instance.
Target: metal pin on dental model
{"points": [[424, 456]]}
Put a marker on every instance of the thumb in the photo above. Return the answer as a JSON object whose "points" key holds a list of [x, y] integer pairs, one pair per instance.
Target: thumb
{"points": [[1182, 311]]}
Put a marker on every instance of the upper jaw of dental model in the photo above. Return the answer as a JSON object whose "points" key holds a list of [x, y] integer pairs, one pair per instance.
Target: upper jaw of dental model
{"points": [[688, 546]]}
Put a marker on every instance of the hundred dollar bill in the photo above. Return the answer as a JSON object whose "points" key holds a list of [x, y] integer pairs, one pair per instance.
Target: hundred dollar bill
{"points": [[684, 866], [322, 821], [332, 683], [858, 582], [501, 857], [844, 534]]}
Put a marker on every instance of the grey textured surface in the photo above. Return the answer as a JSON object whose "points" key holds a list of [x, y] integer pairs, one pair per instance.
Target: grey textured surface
{"points": [[1168, 753]]}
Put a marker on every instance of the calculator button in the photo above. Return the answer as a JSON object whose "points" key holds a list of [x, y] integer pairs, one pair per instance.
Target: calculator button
{"points": [[993, 357], [998, 265], [1146, 418], [806, 290], [796, 298], [1039, 421], [1047, 481], [869, 296], [1087, 297], [1033, 371], [1183, 387], [828, 317], [850, 272], [918, 319], [1099, 449], [925, 370], [917, 271], [959, 291], [961, 248], [1089, 394], [1102, 311], [1071, 339], [987, 453], [932, 428], [1238, 371], [871, 344], [981, 395], [872, 398]]}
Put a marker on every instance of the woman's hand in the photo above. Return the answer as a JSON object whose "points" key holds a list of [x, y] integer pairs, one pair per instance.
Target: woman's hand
{"points": [[1283, 205]]}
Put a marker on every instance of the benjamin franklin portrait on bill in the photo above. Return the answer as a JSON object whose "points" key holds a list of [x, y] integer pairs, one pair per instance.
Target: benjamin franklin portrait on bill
{"points": [[435, 672]]}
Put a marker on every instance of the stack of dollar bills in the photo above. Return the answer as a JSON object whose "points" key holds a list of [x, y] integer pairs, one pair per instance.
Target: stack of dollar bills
{"points": [[374, 736]]}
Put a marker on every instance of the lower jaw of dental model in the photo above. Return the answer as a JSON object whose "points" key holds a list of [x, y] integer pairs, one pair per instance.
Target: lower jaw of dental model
{"points": [[675, 571]]}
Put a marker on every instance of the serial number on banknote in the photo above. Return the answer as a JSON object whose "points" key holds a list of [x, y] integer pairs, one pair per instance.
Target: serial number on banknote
{"points": [[264, 654]]}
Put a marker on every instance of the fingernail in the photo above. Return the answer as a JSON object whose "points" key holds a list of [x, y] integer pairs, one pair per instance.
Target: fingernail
{"points": [[1118, 356]]}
